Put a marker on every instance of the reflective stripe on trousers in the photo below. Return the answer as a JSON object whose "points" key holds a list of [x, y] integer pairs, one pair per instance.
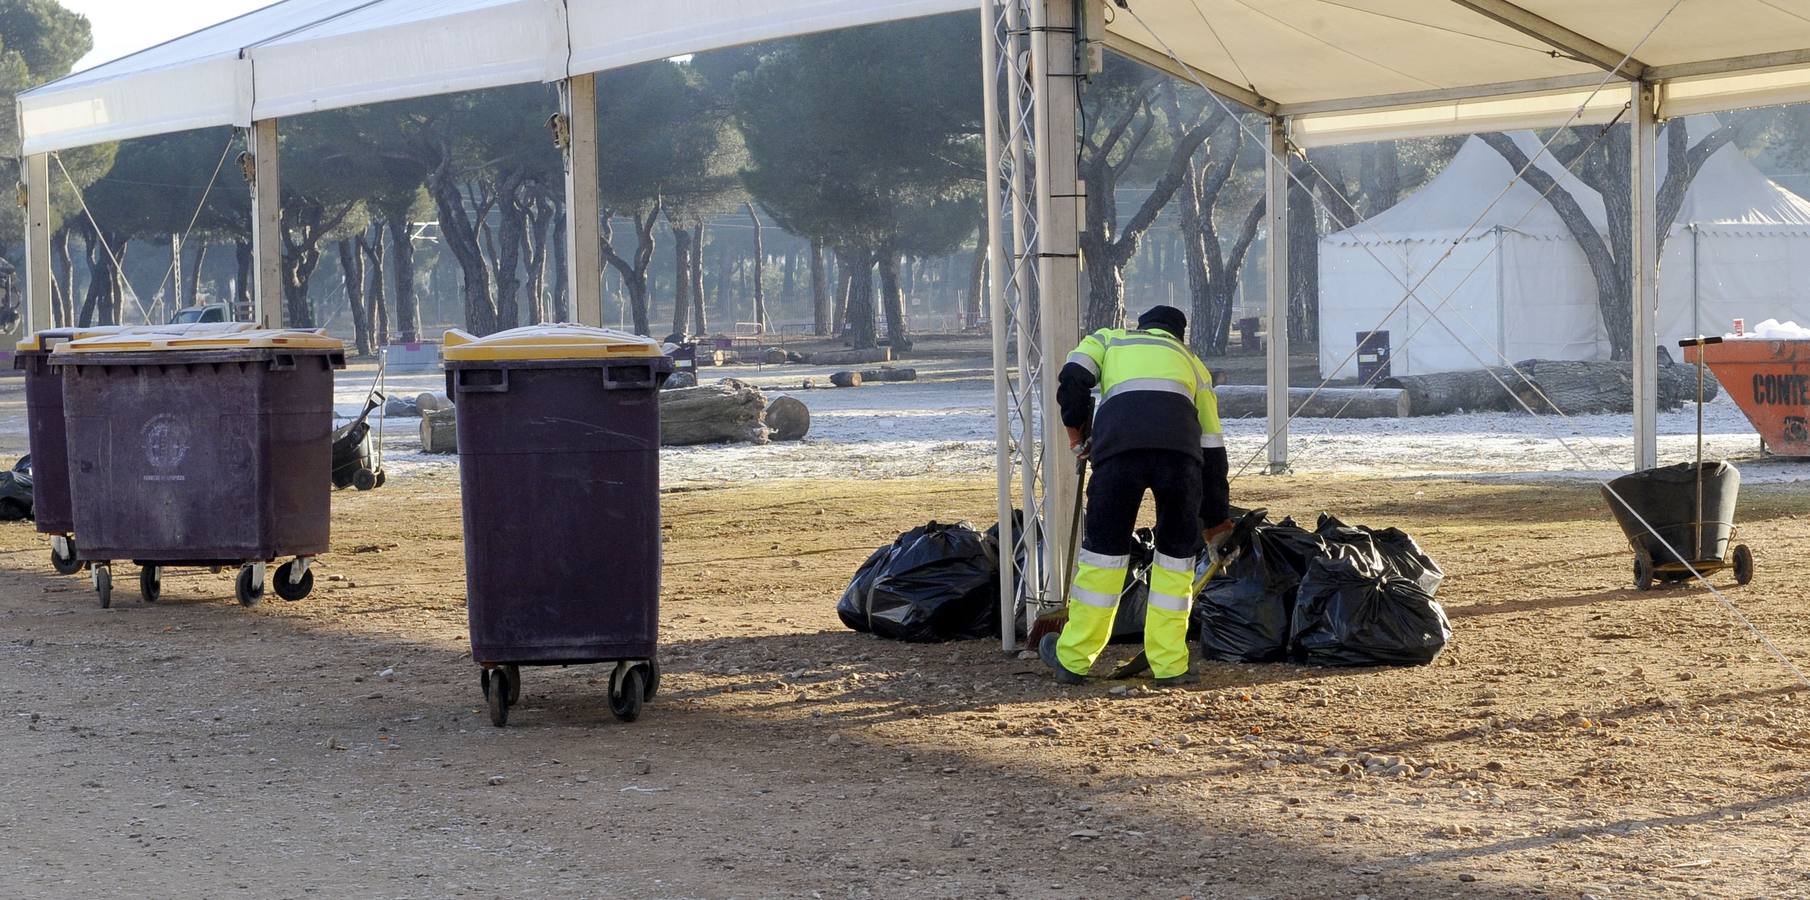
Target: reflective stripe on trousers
{"points": [[1093, 603], [1166, 618]]}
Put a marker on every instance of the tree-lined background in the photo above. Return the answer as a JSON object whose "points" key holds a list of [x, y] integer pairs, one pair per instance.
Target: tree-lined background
{"points": [[829, 185]]}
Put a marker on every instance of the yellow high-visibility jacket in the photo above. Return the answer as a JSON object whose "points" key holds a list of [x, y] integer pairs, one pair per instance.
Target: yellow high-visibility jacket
{"points": [[1154, 393]]}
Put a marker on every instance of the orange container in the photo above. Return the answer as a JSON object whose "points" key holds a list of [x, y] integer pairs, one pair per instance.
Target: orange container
{"points": [[1771, 381]]}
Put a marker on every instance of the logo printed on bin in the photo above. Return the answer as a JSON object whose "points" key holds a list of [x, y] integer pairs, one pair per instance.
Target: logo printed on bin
{"points": [[165, 439]]}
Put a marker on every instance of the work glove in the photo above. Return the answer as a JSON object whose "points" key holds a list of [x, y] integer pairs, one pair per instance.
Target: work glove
{"points": [[1078, 443], [1215, 537]]}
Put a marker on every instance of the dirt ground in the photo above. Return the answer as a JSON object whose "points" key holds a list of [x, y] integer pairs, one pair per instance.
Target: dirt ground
{"points": [[1577, 739]]}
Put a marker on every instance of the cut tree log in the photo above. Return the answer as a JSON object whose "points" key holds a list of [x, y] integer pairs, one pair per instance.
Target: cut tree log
{"points": [[1250, 401], [729, 411], [773, 356], [1577, 387], [889, 373], [850, 357], [1441, 393], [846, 379], [788, 419], [439, 431]]}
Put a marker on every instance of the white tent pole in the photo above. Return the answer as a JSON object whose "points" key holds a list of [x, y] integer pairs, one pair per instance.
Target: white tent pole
{"points": [[1644, 283], [37, 242], [266, 225], [1276, 209], [1053, 28], [1024, 317], [996, 312], [584, 242]]}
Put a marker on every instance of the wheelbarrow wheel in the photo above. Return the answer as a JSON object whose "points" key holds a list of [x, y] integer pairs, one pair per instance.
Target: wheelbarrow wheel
{"points": [[250, 593], [364, 480], [103, 585], [1643, 572], [627, 694], [1743, 564], [496, 695], [296, 591], [62, 557], [150, 583]]}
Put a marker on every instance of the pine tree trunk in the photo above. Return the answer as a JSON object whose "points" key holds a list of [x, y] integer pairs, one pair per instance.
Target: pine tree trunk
{"points": [[242, 286], [191, 288], [820, 291], [681, 306], [63, 308], [760, 290], [894, 297], [408, 303], [697, 277], [352, 267], [860, 314]]}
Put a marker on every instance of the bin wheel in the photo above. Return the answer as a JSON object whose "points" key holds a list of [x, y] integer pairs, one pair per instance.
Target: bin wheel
{"points": [[496, 695], [380, 479], [653, 679], [1643, 573], [150, 583], [296, 591], [64, 563], [248, 592], [1743, 564], [364, 480], [515, 683], [626, 699], [103, 585]]}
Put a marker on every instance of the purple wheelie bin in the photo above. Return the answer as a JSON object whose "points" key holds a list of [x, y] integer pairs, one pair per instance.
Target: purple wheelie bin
{"points": [[44, 425], [559, 464], [201, 449], [51, 506]]}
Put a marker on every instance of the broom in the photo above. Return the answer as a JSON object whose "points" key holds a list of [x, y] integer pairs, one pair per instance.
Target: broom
{"points": [[1050, 619]]}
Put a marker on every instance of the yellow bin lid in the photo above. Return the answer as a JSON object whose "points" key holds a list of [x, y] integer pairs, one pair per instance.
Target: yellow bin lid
{"points": [[50, 338], [549, 342], [208, 336]]}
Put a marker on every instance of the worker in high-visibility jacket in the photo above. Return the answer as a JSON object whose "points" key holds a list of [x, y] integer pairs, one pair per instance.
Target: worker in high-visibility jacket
{"points": [[1157, 430]]}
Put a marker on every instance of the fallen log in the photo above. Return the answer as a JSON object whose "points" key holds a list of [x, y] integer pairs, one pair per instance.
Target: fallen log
{"points": [[726, 412], [439, 431], [850, 357], [1575, 386], [846, 379], [890, 373], [1251, 401], [788, 419], [1442, 393], [1579, 387]]}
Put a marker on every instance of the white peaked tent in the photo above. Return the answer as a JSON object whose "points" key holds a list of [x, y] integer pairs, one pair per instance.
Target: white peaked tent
{"points": [[1516, 286], [1739, 248]]}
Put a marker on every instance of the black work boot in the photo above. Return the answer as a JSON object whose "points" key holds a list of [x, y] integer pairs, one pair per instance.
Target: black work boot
{"points": [[1182, 680], [1047, 650]]}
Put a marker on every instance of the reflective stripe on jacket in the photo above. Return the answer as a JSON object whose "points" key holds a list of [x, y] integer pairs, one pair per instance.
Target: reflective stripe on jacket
{"points": [[1154, 392]]}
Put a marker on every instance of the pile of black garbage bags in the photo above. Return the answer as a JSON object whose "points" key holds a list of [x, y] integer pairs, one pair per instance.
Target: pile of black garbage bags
{"points": [[1340, 595]]}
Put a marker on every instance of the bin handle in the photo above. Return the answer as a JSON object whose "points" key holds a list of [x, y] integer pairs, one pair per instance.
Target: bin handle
{"points": [[282, 362], [624, 384], [467, 386]]}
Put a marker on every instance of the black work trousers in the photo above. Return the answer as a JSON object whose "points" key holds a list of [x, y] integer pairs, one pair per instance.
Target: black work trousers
{"points": [[1116, 491]]}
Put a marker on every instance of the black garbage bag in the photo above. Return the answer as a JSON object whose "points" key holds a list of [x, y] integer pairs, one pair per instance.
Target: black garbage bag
{"points": [[934, 583], [1389, 551], [15, 491], [1348, 615], [1243, 613]]}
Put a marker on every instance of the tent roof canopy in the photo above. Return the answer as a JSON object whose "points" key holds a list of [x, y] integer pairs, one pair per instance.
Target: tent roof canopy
{"points": [[1346, 70]]}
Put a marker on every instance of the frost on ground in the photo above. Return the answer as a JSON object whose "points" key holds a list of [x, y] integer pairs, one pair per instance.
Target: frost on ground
{"points": [[947, 428]]}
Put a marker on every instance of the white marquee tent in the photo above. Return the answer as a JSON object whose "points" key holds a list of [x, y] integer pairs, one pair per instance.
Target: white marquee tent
{"points": [[1515, 287], [1740, 248], [1518, 287]]}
